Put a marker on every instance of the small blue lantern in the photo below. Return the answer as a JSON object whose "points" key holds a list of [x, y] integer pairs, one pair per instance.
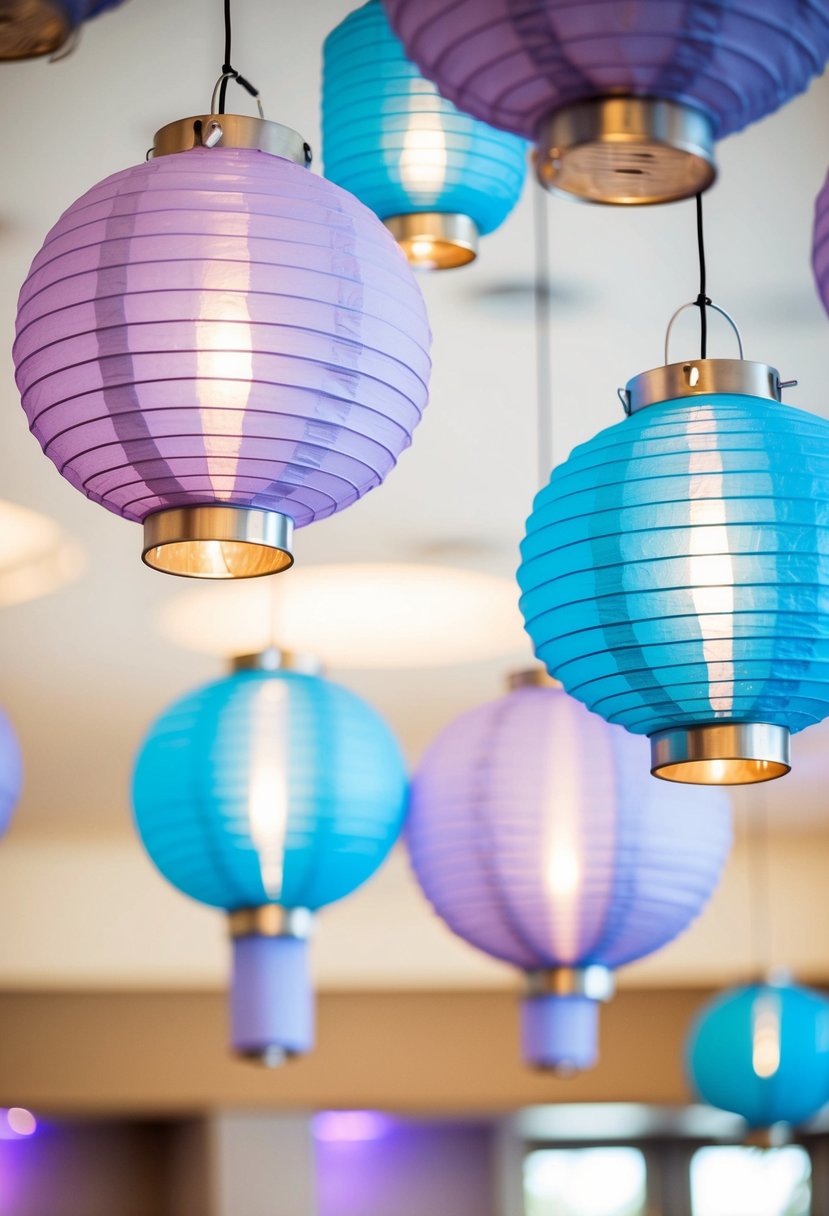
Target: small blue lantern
{"points": [[11, 772], [762, 1051], [675, 575], [437, 177], [30, 28], [269, 793]]}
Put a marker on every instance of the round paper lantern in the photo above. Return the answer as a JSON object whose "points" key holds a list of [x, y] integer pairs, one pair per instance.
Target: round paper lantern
{"points": [[29, 28], [270, 793], [222, 345], [762, 1051], [820, 246], [674, 571], [624, 100], [538, 836], [436, 177], [11, 772]]}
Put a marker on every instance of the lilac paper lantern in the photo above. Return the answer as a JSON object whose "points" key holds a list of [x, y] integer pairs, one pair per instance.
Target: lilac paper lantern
{"points": [[538, 836], [29, 28], [820, 245], [222, 345], [624, 100]]}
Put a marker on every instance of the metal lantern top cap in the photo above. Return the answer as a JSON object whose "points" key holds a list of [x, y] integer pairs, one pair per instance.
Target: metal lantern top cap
{"points": [[231, 131], [703, 377]]}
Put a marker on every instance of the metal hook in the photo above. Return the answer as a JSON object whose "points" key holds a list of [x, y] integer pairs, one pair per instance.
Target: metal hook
{"points": [[716, 307], [214, 100]]}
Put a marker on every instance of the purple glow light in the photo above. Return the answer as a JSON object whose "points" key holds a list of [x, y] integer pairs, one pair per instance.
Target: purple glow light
{"points": [[350, 1125], [16, 1123]]}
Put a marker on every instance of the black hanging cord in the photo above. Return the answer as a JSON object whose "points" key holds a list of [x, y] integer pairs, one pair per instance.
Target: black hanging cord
{"points": [[228, 70], [702, 301]]}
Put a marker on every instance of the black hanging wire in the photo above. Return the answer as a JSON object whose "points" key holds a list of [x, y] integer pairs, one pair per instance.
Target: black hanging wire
{"points": [[543, 363], [702, 301], [228, 71]]}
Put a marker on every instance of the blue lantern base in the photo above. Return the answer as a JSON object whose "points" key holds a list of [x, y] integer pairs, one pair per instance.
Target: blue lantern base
{"points": [[560, 1033], [271, 998]]}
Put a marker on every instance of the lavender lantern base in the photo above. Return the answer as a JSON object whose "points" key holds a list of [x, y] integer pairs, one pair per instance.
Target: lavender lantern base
{"points": [[560, 1032], [271, 999]]}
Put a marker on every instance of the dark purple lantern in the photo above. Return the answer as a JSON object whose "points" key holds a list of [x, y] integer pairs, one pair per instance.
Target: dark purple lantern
{"points": [[222, 345], [624, 97], [538, 836], [29, 28]]}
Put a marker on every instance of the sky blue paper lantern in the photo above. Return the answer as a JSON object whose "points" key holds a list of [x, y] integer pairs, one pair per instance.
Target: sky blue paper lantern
{"points": [[437, 177], [269, 794], [40, 27], [762, 1051], [675, 571]]}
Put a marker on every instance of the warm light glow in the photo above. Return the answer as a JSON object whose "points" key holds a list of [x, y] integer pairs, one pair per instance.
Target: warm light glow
{"points": [[564, 873], [765, 1042], [268, 790], [711, 567], [561, 850], [36, 558], [421, 249], [423, 158], [224, 367], [355, 616]]}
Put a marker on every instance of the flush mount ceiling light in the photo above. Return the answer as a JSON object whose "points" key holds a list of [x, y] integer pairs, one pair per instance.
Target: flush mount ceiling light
{"points": [[365, 615], [623, 100], [221, 345], [29, 28], [674, 575], [762, 1051], [437, 178], [538, 836], [270, 793], [36, 557]]}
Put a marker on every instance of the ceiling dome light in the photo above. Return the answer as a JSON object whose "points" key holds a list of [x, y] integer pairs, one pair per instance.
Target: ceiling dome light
{"points": [[36, 557], [436, 177], [361, 615], [674, 575], [762, 1051], [270, 793], [537, 836], [623, 100], [29, 28], [222, 345]]}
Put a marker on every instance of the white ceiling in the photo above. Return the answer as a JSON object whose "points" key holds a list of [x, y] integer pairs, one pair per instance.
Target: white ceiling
{"points": [[82, 673]]}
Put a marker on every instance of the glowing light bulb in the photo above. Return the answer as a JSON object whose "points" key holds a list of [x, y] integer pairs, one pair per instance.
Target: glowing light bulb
{"points": [[422, 250], [765, 1044], [224, 369], [268, 791], [423, 158], [564, 873]]}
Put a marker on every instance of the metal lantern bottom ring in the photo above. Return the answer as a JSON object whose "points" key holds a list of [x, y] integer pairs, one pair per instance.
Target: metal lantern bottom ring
{"points": [[626, 151], [218, 542], [721, 753], [435, 240]]}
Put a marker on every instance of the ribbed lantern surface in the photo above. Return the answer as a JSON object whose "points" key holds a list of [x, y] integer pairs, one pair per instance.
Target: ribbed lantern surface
{"points": [[269, 787], [538, 836], [762, 1051], [514, 62], [262, 791], [220, 327], [391, 139], [674, 571], [820, 246], [11, 772]]}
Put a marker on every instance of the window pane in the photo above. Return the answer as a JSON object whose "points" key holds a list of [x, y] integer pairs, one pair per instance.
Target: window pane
{"points": [[742, 1181], [585, 1182]]}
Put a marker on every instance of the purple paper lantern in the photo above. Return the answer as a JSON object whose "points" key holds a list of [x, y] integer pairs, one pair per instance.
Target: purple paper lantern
{"points": [[820, 245], [538, 836], [624, 100], [222, 345], [29, 28]]}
